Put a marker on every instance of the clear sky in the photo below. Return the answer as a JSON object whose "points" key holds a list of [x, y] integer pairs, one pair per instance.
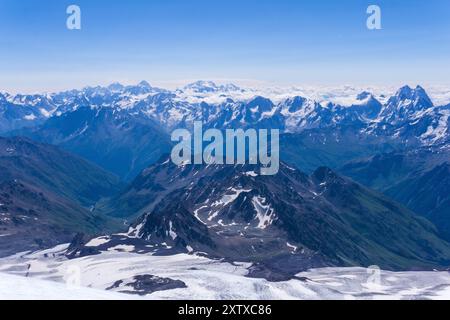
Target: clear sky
{"points": [[173, 41]]}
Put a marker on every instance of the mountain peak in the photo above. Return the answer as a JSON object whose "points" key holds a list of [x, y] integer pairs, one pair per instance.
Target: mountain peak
{"points": [[116, 86], [144, 84], [203, 86], [418, 87], [408, 93], [142, 87], [204, 83], [364, 96], [406, 102], [260, 100], [404, 91]]}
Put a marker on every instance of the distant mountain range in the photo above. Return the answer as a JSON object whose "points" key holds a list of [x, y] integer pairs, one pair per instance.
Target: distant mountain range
{"points": [[112, 126], [408, 114]]}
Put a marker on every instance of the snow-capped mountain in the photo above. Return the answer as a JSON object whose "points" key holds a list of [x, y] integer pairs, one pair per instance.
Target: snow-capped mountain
{"points": [[210, 87], [407, 119], [181, 107], [411, 118], [283, 223], [121, 142], [24, 111], [405, 103], [76, 119]]}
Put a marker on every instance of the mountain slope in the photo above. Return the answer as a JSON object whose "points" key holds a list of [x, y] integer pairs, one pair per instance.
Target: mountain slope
{"points": [[331, 147], [419, 179], [44, 195], [427, 194], [32, 218], [117, 141], [55, 170]]}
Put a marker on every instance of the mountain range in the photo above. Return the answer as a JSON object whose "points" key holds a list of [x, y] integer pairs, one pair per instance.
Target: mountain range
{"points": [[112, 126], [99, 153], [284, 224]]}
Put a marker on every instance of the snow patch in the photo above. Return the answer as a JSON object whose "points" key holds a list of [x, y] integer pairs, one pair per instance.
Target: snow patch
{"points": [[264, 213], [122, 248], [21, 288], [251, 174], [30, 117], [98, 242], [172, 233]]}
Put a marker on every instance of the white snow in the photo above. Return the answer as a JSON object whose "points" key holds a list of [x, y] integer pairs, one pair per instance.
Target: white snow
{"points": [[436, 132], [98, 241], [196, 211], [172, 233], [30, 117], [291, 246], [264, 213], [229, 197], [189, 249], [205, 279], [46, 113], [122, 248], [21, 288], [251, 174], [134, 232]]}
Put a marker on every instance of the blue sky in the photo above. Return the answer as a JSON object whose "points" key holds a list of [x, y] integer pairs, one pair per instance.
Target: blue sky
{"points": [[173, 41]]}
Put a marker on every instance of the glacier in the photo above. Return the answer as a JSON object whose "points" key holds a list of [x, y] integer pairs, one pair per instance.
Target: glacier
{"points": [[45, 274]]}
